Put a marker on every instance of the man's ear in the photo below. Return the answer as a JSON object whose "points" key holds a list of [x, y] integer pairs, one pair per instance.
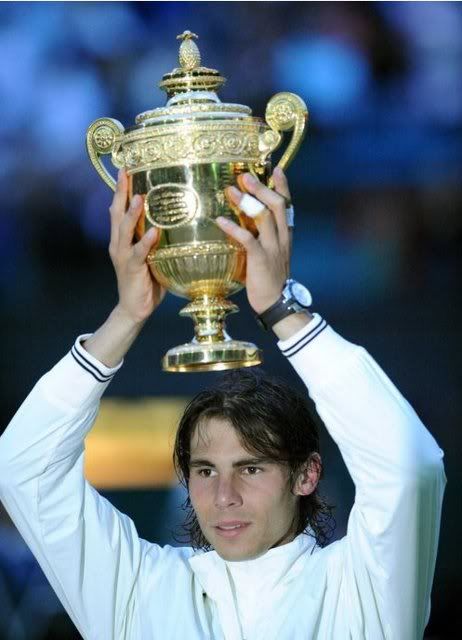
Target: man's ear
{"points": [[308, 478]]}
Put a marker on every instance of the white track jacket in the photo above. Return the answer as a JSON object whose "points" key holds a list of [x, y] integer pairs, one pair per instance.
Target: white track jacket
{"points": [[373, 584]]}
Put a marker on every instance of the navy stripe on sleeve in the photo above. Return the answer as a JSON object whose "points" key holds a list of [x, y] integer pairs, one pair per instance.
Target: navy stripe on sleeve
{"points": [[90, 367], [311, 334]]}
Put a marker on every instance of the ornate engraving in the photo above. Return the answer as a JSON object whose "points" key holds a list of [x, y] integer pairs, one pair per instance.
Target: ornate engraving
{"points": [[103, 137], [286, 111], [205, 144], [195, 143], [233, 143], [171, 205], [188, 250], [153, 151], [268, 142], [118, 158], [175, 147], [189, 56], [283, 111], [220, 198], [134, 155]]}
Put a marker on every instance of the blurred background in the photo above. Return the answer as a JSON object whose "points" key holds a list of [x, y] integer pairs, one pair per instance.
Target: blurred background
{"points": [[378, 196]]}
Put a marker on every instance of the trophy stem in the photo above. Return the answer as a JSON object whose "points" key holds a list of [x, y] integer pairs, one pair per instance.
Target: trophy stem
{"points": [[208, 314], [211, 349]]}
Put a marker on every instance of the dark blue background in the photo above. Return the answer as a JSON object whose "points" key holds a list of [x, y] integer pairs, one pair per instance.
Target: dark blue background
{"points": [[376, 187]]}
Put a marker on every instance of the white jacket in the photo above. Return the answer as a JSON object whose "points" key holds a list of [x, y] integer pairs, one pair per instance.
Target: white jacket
{"points": [[373, 584]]}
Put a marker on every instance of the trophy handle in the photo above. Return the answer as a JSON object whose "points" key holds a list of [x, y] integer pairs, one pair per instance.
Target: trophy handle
{"points": [[286, 111], [102, 138]]}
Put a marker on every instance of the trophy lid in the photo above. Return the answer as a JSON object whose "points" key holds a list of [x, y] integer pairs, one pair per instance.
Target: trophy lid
{"points": [[190, 75], [191, 90]]}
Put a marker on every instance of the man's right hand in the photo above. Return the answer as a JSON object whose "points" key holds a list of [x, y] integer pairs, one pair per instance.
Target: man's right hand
{"points": [[139, 291]]}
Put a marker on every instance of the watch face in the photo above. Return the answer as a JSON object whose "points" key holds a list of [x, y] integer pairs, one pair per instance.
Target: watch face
{"points": [[301, 294]]}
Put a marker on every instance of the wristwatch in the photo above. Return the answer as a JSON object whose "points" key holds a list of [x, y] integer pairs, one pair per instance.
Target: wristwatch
{"points": [[294, 298]]}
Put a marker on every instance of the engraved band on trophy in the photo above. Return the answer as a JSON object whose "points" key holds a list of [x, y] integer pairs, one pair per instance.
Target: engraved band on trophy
{"points": [[180, 158]]}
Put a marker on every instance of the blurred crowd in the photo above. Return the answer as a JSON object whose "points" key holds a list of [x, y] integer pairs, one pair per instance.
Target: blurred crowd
{"points": [[376, 183], [383, 82]]}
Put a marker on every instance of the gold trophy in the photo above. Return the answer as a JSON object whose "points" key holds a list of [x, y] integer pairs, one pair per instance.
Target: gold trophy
{"points": [[180, 158]]}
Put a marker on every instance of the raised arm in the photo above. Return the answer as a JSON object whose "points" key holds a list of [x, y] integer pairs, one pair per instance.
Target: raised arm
{"points": [[89, 551], [139, 293], [383, 569]]}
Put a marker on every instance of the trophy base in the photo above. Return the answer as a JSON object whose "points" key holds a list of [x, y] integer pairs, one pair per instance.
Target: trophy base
{"points": [[211, 356]]}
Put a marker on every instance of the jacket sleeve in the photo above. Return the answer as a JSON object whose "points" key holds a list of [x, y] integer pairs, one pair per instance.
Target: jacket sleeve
{"points": [[387, 558], [89, 552]]}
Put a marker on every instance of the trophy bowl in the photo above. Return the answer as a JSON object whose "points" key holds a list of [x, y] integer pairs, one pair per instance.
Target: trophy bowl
{"points": [[180, 158]]}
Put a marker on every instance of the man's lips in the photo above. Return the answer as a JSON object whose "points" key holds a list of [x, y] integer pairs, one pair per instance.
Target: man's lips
{"points": [[231, 528], [230, 523]]}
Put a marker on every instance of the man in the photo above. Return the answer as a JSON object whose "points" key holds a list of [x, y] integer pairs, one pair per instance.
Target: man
{"points": [[263, 577]]}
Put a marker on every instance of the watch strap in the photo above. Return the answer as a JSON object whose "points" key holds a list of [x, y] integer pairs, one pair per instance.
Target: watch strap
{"points": [[279, 310]]}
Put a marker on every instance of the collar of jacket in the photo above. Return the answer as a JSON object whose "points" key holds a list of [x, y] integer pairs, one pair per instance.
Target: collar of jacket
{"points": [[288, 560]]}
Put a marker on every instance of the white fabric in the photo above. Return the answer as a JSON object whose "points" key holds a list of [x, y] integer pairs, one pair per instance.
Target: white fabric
{"points": [[373, 584], [290, 216], [251, 206], [255, 581]]}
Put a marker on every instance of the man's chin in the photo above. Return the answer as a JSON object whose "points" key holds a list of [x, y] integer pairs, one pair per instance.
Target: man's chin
{"points": [[238, 552]]}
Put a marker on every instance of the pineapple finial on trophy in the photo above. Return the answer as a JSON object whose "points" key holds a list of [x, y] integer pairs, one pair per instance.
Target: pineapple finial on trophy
{"points": [[190, 75], [189, 55]]}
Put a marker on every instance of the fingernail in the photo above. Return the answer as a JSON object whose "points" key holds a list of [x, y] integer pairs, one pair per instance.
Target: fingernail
{"points": [[278, 172], [222, 220], [136, 201], [119, 175], [250, 179], [234, 192]]}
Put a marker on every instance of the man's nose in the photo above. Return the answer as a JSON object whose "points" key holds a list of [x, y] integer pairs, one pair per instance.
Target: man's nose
{"points": [[227, 494]]}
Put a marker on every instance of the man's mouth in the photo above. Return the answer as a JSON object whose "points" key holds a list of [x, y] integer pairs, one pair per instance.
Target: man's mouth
{"points": [[231, 529]]}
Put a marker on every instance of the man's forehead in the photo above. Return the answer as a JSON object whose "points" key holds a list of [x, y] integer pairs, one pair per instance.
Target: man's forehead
{"points": [[214, 433], [216, 441]]}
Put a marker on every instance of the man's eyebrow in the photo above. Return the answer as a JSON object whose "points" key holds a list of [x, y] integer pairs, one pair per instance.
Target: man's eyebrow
{"points": [[201, 462]]}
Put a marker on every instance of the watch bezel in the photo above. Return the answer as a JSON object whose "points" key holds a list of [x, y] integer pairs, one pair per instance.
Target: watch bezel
{"points": [[291, 284]]}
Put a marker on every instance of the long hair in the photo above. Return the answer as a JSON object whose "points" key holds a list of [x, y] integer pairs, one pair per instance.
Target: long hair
{"points": [[271, 419]]}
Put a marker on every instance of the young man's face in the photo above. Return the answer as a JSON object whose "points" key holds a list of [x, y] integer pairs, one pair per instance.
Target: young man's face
{"points": [[244, 506]]}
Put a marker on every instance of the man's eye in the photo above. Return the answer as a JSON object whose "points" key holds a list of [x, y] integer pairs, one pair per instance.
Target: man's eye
{"points": [[205, 473], [252, 471]]}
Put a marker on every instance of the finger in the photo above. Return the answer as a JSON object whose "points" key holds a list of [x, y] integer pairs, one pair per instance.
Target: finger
{"points": [[243, 236], [128, 225], [261, 215], [281, 187], [118, 205], [275, 202], [142, 248]]}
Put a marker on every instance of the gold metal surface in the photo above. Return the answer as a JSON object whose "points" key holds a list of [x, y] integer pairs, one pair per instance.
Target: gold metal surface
{"points": [[192, 357], [180, 158], [197, 108], [190, 76]]}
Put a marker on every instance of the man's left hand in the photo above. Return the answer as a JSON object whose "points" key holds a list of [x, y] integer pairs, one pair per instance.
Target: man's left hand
{"points": [[268, 254]]}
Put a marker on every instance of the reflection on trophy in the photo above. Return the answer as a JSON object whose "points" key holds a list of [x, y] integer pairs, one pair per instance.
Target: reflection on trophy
{"points": [[180, 158]]}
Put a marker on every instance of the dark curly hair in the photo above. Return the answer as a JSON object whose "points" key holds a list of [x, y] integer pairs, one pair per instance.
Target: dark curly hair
{"points": [[271, 419]]}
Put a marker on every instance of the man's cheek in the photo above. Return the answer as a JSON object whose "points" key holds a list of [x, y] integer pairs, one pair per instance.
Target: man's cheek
{"points": [[198, 500], [196, 494]]}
